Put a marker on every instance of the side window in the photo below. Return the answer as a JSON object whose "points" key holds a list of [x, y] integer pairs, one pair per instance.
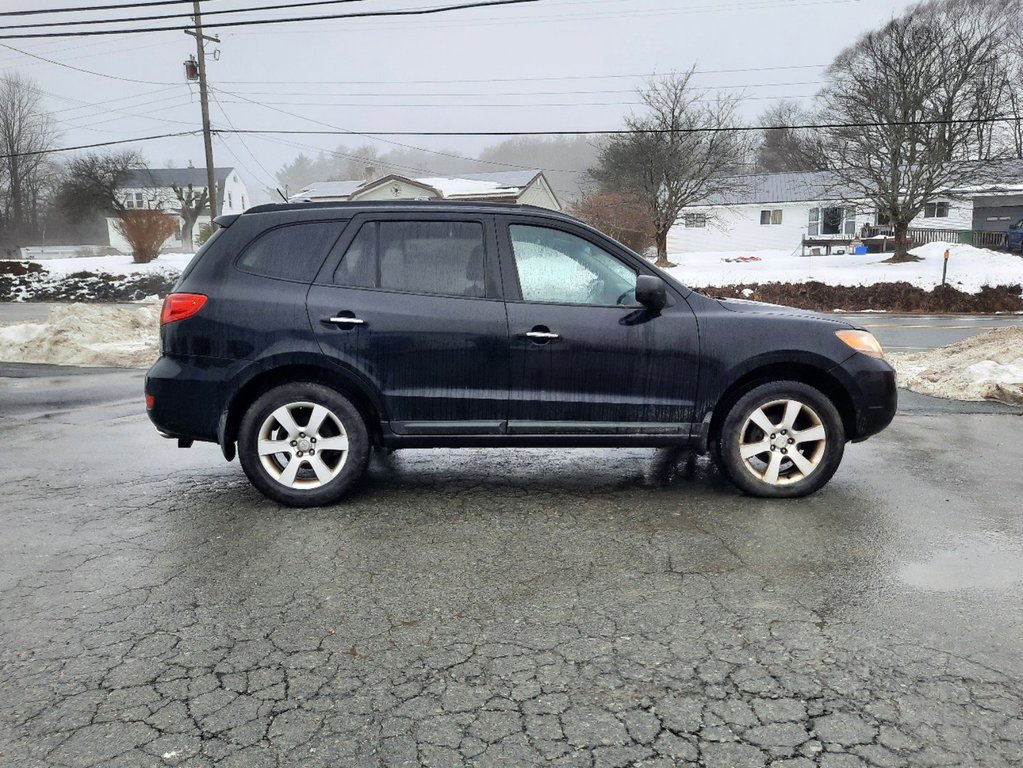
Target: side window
{"points": [[291, 252], [561, 268], [431, 257]]}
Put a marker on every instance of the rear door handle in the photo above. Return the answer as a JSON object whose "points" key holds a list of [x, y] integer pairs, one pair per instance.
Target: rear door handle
{"points": [[547, 336], [346, 321]]}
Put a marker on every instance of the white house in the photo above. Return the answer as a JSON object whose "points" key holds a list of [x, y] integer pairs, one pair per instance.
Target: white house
{"points": [[154, 188], [791, 211], [522, 187]]}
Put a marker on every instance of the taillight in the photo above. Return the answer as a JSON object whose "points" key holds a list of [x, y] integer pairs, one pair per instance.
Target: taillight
{"points": [[178, 306], [150, 402]]}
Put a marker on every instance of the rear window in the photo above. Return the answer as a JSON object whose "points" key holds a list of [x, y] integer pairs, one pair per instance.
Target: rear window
{"points": [[431, 257], [291, 252], [203, 249]]}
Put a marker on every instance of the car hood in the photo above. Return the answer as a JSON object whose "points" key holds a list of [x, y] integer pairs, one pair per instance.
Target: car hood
{"points": [[745, 306]]}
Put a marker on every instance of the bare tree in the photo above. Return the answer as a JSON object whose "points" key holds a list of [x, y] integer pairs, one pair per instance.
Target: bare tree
{"points": [[1013, 67], [683, 150], [192, 205], [27, 134], [784, 147], [93, 183], [910, 102]]}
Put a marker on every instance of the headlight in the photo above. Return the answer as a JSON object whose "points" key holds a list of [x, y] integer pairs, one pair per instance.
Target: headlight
{"points": [[862, 341]]}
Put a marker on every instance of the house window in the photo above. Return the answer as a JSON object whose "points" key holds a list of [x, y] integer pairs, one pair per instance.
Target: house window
{"points": [[882, 219], [696, 220], [772, 217], [832, 221], [936, 211], [243, 201], [140, 201], [230, 200]]}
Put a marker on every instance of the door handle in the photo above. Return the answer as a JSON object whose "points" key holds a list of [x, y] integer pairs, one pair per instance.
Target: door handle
{"points": [[545, 335], [346, 321]]}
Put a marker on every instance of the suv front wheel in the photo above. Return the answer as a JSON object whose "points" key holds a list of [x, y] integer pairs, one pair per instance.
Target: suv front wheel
{"points": [[303, 444], [781, 439]]}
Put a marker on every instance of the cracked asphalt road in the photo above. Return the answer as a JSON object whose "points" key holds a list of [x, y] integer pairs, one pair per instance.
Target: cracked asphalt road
{"points": [[503, 608]]}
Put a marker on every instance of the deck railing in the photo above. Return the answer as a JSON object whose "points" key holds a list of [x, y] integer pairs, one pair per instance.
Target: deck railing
{"points": [[920, 236]]}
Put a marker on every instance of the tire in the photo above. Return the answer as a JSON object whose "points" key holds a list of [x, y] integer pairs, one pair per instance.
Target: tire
{"points": [[313, 467], [786, 419]]}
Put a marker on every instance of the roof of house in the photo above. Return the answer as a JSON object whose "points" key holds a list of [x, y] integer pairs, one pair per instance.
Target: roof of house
{"points": [[809, 186], [166, 177], [499, 184], [328, 189]]}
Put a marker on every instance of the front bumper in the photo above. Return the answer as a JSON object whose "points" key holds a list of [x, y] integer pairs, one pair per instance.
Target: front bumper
{"points": [[872, 388]]}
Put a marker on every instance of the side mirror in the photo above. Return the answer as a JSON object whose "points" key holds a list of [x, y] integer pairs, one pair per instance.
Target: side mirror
{"points": [[650, 292]]}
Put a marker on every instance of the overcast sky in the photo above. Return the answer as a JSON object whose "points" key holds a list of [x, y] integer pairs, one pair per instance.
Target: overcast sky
{"points": [[547, 65]]}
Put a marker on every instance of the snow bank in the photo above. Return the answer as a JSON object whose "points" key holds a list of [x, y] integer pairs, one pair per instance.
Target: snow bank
{"points": [[87, 335], [115, 265], [969, 268], [985, 367]]}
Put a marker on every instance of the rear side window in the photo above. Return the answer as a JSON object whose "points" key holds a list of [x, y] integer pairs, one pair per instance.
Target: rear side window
{"points": [[431, 257], [292, 252]]}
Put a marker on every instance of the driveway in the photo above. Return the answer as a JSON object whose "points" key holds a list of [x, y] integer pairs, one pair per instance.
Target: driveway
{"points": [[503, 607]]}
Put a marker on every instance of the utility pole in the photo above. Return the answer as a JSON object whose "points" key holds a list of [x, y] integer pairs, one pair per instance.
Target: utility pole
{"points": [[200, 49]]}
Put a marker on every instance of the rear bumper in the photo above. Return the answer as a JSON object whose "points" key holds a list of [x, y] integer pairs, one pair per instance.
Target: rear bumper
{"points": [[872, 388], [188, 395]]}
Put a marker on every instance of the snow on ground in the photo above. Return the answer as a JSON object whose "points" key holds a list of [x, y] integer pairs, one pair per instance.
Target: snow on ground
{"points": [[969, 268], [115, 265], [87, 335], [985, 367]]}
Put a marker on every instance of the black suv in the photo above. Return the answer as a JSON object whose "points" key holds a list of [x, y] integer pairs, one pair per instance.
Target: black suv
{"points": [[307, 334]]}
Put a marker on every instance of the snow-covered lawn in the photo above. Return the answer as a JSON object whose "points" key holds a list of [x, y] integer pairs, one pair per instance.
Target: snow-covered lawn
{"points": [[969, 268], [115, 265]]}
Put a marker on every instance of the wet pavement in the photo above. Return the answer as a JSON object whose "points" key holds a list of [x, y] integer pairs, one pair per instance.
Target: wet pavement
{"points": [[504, 608]]}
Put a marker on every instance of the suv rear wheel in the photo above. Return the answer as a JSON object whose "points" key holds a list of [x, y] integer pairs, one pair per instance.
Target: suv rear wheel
{"points": [[781, 439], [303, 444]]}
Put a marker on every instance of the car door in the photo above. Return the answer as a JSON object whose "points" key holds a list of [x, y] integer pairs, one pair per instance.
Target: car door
{"points": [[1015, 240], [585, 357], [410, 303]]}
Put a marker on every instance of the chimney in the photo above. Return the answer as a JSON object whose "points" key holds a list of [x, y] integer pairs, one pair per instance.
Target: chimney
{"points": [[369, 174]]}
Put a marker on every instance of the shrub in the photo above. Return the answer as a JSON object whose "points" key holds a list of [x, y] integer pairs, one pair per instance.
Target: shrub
{"points": [[146, 231], [619, 215], [205, 233]]}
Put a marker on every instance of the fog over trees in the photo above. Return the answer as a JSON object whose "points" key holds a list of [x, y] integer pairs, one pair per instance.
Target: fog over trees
{"points": [[563, 160]]}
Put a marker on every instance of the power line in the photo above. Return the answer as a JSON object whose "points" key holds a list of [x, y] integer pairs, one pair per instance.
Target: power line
{"points": [[84, 71], [185, 15], [524, 94], [114, 7], [597, 132], [578, 18], [631, 131], [489, 105], [517, 79], [344, 131], [223, 111], [99, 144], [286, 20]]}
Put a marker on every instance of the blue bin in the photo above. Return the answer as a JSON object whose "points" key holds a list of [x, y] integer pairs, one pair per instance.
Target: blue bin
{"points": [[859, 250]]}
